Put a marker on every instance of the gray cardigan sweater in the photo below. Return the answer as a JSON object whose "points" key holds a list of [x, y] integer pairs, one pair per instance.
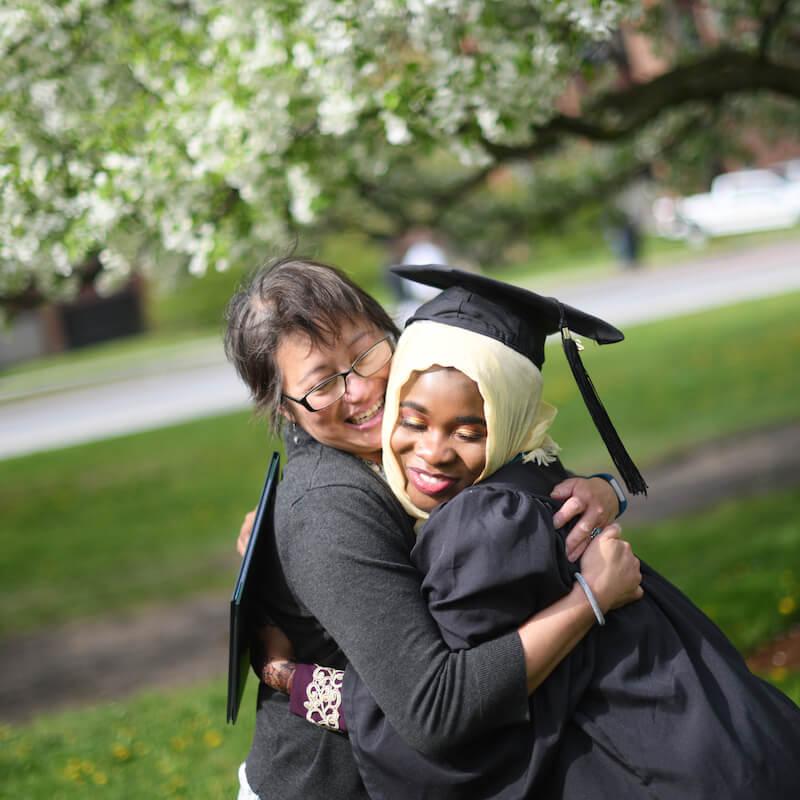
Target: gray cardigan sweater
{"points": [[342, 586]]}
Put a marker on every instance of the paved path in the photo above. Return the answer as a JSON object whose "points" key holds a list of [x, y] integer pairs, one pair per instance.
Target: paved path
{"points": [[641, 296], [204, 386], [131, 404], [92, 662]]}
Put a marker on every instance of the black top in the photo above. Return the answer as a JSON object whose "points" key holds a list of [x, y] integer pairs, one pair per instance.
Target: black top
{"points": [[656, 704]]}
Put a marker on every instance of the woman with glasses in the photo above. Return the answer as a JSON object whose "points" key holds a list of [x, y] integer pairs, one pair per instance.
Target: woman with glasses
{"points": [[315, 351]]}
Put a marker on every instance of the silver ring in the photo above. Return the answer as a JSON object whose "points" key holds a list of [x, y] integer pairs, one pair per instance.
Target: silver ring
{"points": [[595, 532]]}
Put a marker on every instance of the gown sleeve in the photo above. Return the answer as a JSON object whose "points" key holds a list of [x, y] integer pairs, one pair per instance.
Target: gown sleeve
{"points": [[490, 558]]}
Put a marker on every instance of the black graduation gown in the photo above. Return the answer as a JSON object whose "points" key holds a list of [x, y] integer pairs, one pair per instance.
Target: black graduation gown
{"points": [[655, 704]]}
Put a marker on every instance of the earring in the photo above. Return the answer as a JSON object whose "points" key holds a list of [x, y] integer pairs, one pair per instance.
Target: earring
{"points": [[295, 437]]}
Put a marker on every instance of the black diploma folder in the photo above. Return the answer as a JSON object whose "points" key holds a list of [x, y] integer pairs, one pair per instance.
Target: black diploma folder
{"points": [[246, 590]]}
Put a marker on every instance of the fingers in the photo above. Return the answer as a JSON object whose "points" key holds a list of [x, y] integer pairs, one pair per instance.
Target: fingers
{"points": [[592, 516], [614, 531], [604, 501], [577, 547], [561, 491], [245, 531], [593, 498], [636, 594], [578, 540], [571, 508], [590, 500], [612, 569], [595, 515]]}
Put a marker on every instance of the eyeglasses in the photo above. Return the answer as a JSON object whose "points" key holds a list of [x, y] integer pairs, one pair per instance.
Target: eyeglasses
{"points": [[330, 390]]}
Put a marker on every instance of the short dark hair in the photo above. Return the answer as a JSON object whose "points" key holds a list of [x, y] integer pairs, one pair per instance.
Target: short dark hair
{"points": [[286, 296]]}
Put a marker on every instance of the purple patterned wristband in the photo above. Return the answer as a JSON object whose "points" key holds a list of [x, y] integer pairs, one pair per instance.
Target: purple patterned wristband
{"points": [[317, 696]]}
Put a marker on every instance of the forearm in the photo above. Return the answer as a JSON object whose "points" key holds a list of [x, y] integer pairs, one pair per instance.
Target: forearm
{"points": [[550, 635], [547, 638]]}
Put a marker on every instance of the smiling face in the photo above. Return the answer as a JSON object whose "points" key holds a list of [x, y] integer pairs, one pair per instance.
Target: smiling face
{"points": [[440, 436], [352, 423]]}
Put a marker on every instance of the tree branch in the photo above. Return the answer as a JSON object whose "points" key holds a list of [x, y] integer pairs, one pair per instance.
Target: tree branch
{"points": [[619, 114], [611, 117], [550, 207], [771, 21]]}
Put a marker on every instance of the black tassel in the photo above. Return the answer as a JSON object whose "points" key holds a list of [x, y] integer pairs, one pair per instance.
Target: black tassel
{"points": [[622, 460]]}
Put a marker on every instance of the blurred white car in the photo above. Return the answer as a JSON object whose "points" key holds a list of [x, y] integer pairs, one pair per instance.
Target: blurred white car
{"points": [[739, 202], [788, 169]]}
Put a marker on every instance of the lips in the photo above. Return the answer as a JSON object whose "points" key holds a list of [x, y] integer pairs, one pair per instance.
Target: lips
{"points": [[430, 483]]}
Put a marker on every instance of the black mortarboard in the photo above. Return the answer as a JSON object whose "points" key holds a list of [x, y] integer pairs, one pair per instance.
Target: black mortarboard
{"points": [[522, 320]]}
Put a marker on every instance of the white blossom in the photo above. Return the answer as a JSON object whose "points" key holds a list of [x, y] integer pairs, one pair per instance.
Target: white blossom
{"points": [[139, 136], [303, 191], [338, 112], [397, 131]]}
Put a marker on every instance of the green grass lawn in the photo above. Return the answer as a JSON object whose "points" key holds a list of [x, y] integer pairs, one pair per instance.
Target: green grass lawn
{"points": [[155, 746], [153, 516], [677, 382], [158, 745], [147, 517], [175, 744]]}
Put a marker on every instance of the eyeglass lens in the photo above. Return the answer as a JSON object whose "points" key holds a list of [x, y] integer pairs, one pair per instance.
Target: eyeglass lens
{"points": [[368, 363]]}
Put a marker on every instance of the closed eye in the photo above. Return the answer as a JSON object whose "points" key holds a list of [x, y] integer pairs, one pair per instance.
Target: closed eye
{"points": [[467, 435], [414, 423]]}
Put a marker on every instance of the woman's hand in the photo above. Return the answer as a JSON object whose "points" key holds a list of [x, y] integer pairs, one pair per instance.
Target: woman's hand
{"points": [[594, 500], [612, 570], [273, 659], [245, 531]]}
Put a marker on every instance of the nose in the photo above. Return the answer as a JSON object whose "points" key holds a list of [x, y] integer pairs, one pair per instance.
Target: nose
{"points": [[434, 448], [356, 388]]}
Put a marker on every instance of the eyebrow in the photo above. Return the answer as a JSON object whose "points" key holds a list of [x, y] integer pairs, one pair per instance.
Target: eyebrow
{"points": [[324, 368], [467, 420]]}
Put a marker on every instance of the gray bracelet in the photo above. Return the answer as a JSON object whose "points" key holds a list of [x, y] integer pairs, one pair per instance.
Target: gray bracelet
{"points": [[601, 620]]}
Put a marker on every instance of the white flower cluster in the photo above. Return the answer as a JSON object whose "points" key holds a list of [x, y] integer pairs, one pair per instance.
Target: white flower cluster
{"points": [[192, 135]]}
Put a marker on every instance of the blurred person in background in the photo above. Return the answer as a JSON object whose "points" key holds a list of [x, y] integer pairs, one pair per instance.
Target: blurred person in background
{"points": [[418, 246]]}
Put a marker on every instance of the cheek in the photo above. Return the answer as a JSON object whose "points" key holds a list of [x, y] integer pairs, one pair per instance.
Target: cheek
{"points": [[401, 443], [322, 425], [476, 460], [381, 379]]}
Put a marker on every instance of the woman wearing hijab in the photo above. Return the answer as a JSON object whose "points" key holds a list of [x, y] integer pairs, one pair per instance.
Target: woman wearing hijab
{"points": [[654, 701]]}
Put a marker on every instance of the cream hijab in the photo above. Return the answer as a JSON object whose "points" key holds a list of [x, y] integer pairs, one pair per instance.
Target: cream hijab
{"points": [[517, 419]]}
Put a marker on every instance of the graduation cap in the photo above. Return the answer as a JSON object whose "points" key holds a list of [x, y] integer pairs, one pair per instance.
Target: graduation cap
{"points": [[522, 320]]}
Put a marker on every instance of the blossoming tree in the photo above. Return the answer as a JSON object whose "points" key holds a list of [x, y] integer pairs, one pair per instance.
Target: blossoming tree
{"points": [[177, 134]]}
